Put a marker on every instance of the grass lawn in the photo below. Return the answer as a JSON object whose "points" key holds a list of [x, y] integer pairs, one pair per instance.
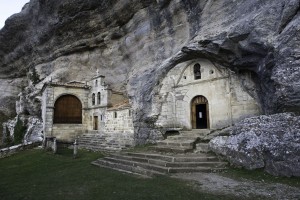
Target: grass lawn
{"points": [[41, 175]]}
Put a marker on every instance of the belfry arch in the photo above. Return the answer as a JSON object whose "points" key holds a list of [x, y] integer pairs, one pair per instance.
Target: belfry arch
{"points": [[200, 112], [67, 110]]}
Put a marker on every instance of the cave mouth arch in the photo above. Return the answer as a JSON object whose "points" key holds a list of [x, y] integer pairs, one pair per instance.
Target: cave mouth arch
{"points": [[67, 110]]}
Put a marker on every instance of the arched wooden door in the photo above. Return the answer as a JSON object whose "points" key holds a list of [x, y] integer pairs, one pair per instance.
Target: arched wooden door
{"points": [[67, 110], [199, 113]]}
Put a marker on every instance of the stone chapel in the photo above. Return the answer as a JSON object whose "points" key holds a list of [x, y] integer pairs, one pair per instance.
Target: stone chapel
{"points": [[198, 94], [71, 109]]}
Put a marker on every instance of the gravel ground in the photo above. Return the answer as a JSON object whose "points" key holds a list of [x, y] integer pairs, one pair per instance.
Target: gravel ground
{"points": [[241, 189]]}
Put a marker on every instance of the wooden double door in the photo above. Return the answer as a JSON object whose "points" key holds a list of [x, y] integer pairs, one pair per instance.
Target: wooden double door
{"points": [[67, 110], [199, 113]]}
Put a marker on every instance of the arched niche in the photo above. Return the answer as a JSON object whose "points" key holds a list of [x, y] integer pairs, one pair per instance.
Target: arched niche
{"points": [[67, 110]]}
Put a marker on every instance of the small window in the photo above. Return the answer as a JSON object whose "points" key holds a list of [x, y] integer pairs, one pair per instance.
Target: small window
{"points": [[184, 77], [211, 71], [197, 71], [129, 113], [96, 83], [99, 98], [101, 117], [93, 99], [115, 115]]}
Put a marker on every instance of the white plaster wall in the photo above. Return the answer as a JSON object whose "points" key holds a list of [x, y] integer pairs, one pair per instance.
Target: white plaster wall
{"points": [[227, 100]]}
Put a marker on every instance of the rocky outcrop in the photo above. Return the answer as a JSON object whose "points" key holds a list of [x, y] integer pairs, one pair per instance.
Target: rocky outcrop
{"points": [[34, 132], [271, 142], [135, 43], [33, 129]]}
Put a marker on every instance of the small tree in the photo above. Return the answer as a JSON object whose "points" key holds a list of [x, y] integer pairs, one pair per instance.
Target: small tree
{"points": [[34, 76], [19, 131], [8, 141]]}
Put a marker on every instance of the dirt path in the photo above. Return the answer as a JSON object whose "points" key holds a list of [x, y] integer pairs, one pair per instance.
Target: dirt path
{"points": [[215, 183]]}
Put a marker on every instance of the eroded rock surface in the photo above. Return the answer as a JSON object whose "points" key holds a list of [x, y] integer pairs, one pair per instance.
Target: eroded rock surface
{"points": [[270, 142], [135, 43]]}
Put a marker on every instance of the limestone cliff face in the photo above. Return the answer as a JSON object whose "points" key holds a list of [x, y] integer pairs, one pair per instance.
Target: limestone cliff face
{"points": [[135, 43]]}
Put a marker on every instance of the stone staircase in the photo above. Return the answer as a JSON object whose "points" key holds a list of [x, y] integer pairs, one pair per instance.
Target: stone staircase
{"points": [[182, 143], [96, 141], [150, 164], [176, 154]]}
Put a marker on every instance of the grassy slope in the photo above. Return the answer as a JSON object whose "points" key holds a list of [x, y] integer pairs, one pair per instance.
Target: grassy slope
{"points": [[36, 174]]}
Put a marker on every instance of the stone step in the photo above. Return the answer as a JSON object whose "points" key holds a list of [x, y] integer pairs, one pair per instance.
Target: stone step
{"points": [[173, 163], [196, 159], [202, 147], [196, 169], [141, 167], [195, 132], [93, 137], [172, 149], [184, 137], [99, 142], [196, 164], [172, 158], [150, 156], [100, 146], [91, 141], [107, 149], [147, 166], [125, 168], [167, 142]]}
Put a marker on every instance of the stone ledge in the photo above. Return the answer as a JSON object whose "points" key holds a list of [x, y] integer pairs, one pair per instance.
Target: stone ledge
{"points": [[6, 152]]}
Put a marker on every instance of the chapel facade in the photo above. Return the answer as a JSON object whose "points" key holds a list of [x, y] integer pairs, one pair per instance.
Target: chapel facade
{"points": [[72, 109], [199, 94]]}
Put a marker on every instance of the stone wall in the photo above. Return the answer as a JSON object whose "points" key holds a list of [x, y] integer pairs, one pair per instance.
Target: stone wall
{"points": [[67, 132], [6, 152], [119, 121]]}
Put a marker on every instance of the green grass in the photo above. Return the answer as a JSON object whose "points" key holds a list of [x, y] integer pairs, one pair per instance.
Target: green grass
{"points": [[37, 174], [259, 175]]}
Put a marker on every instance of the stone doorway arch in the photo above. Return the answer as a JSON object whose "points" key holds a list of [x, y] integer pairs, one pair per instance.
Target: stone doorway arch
{"points": [[67, 110], [199, 112]]}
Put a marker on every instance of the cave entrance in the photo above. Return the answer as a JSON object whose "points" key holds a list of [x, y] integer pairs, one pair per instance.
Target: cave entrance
{"points": [[199, 113]]}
